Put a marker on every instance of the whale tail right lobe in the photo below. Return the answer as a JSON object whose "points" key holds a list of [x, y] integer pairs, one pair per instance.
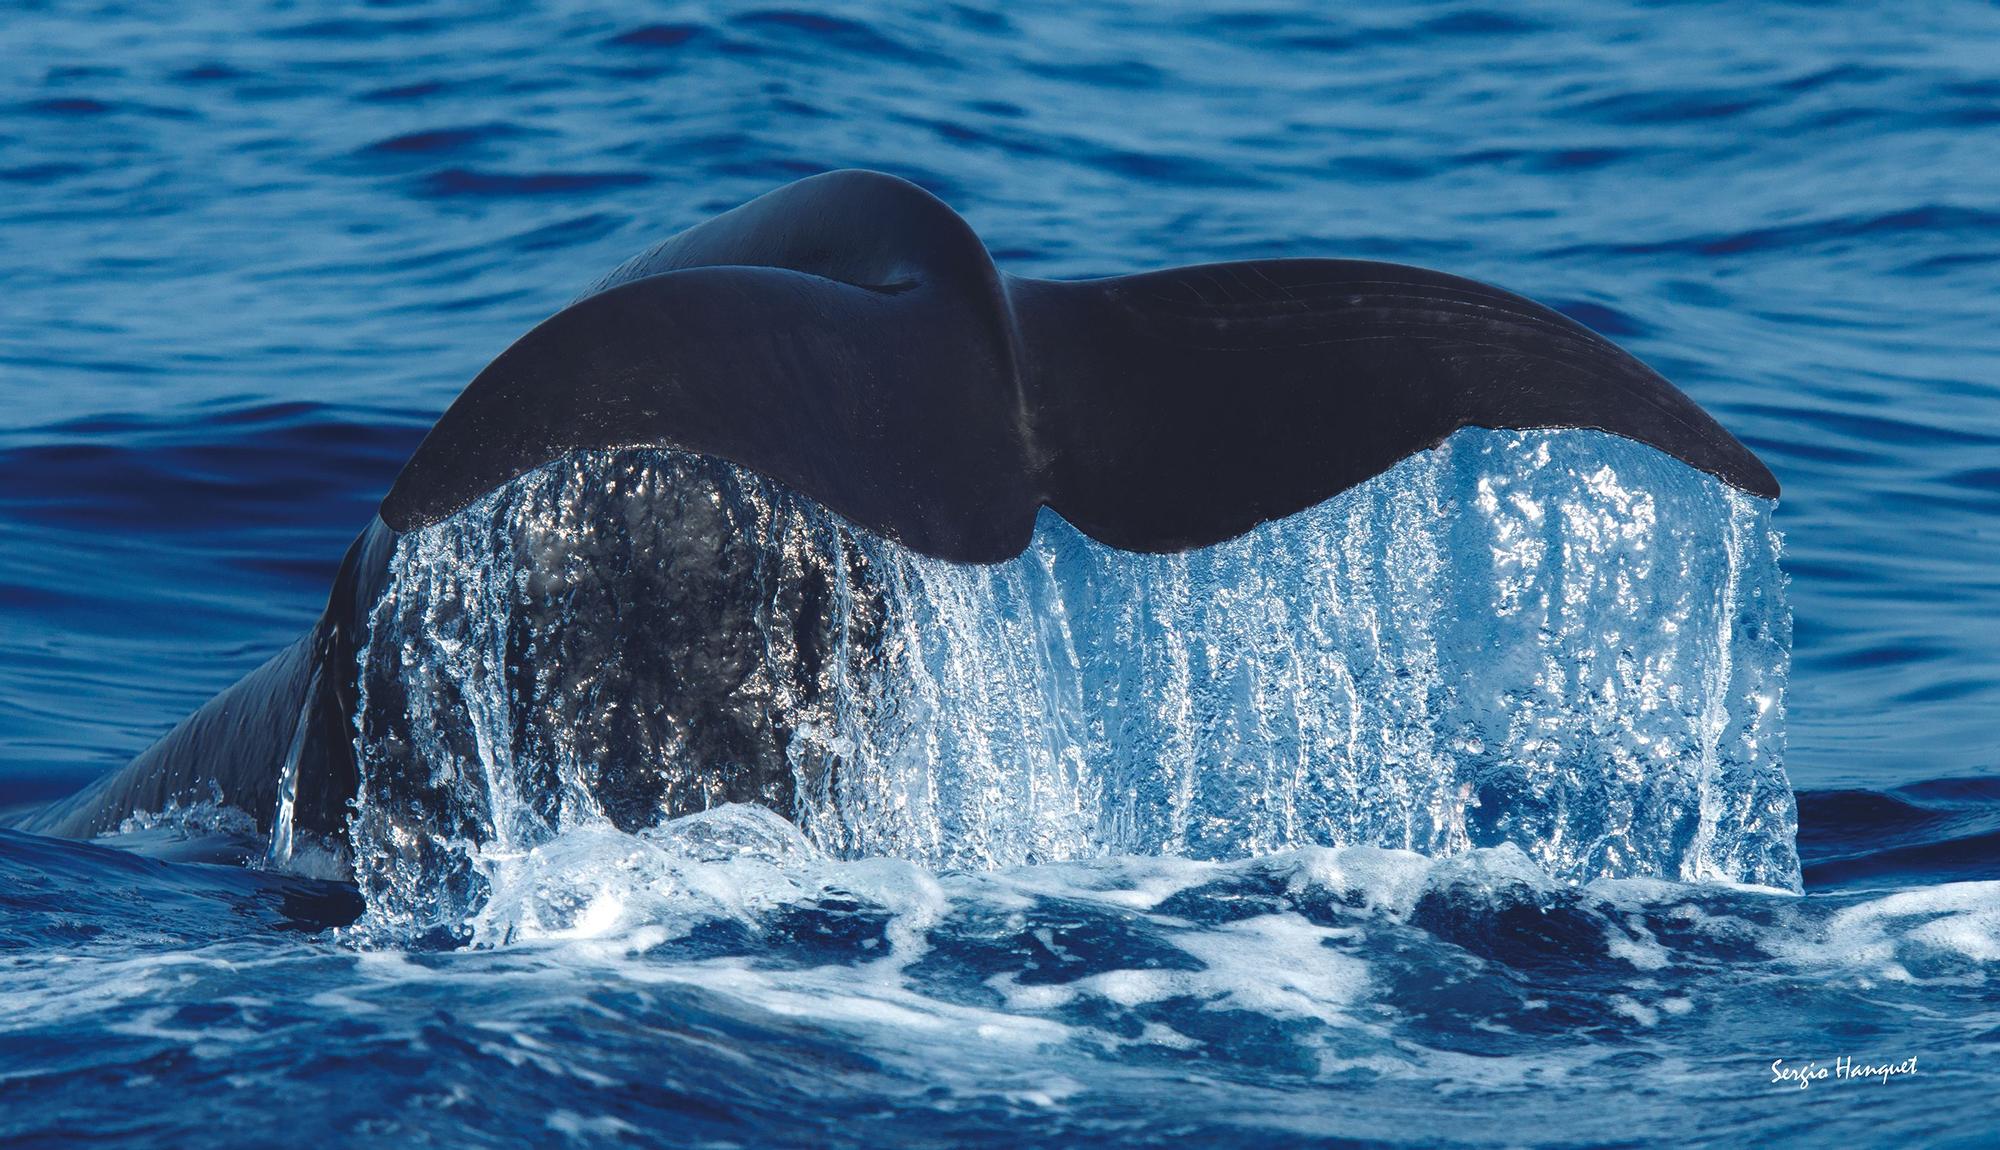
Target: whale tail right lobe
{"points": [[1184, 407]]}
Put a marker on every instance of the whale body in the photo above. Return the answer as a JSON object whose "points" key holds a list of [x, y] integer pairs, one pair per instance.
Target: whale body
{"points": [[847, 340]]}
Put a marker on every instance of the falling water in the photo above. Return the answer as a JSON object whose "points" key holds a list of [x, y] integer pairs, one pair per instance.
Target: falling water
{"points": [[1559, 640]]}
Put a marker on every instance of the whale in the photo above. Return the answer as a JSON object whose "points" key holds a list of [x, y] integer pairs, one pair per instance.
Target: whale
{"points": [[848, 340]]}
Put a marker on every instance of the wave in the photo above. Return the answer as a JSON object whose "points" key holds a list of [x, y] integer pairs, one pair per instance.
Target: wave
{"points": [[719, 970]]}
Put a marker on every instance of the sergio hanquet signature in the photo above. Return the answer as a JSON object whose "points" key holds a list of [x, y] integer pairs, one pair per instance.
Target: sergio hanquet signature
{"points": [[1844, 1069]]}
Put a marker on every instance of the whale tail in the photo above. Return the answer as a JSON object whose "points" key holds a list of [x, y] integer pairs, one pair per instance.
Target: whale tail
{"points": [[848, 336]]}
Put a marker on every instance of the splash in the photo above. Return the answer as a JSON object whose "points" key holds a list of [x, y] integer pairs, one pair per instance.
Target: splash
{"points": [[190, 818], [1557, 640]]}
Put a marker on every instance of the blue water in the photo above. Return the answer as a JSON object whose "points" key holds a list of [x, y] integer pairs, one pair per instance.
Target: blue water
{"points": [[249, 255]]}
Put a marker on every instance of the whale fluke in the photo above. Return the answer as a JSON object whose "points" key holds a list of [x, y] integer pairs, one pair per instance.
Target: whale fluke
{"points": [[849, 338]]}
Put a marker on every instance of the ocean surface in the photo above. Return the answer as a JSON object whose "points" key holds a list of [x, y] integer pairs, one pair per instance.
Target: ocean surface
{"points": [[248, 253]]}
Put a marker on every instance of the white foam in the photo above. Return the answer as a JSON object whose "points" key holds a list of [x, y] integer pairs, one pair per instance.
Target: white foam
{"points": [[1887, 935], [1636, 945], [1635, 1010]]}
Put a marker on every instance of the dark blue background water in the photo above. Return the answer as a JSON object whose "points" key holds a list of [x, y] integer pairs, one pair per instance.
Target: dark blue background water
{"points": [[248, 255]]}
